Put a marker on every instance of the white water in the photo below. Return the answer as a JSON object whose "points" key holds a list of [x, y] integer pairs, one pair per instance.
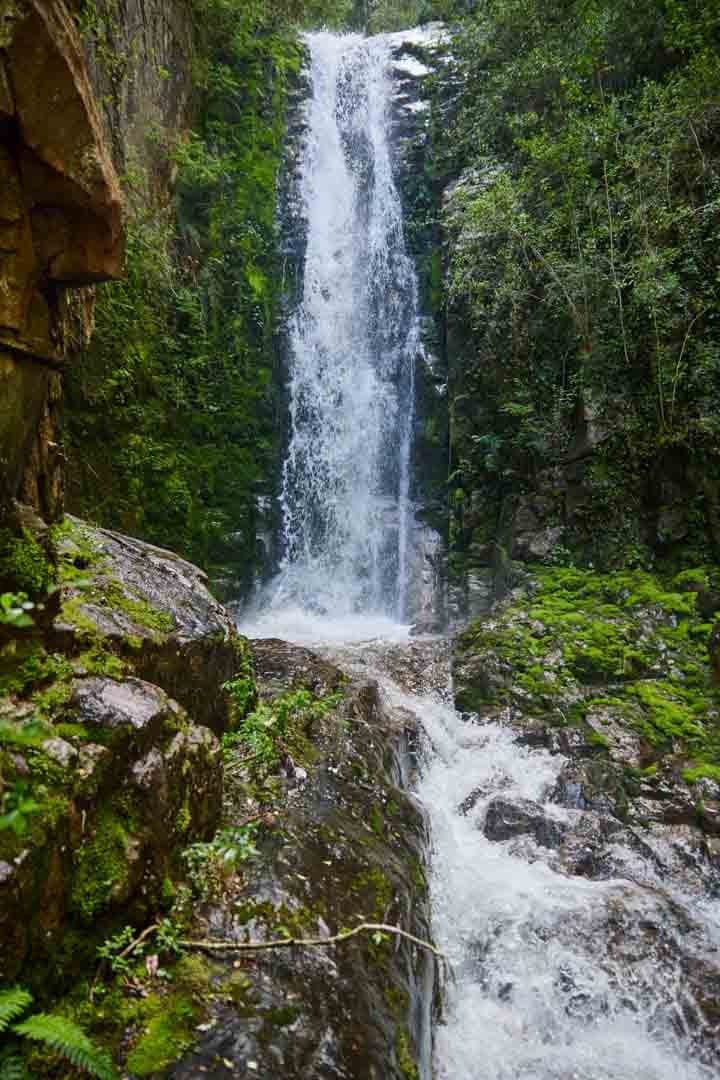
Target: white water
{"points": [[353, 344], [553, 976]]}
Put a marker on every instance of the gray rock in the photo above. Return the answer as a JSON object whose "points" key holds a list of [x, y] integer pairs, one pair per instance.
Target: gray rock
{"points": [[505, 818], [155, 609], [130, 707], [536, 545], [64, 753]]}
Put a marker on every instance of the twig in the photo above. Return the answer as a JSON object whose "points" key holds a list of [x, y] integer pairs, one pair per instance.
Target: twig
{"points": [[232, 765], [678, 366], [616, 283], [285, 943], [139, 940], [125, 952]]}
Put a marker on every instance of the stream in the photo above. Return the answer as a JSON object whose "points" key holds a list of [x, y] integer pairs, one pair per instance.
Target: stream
{"points": [[551, 973]]}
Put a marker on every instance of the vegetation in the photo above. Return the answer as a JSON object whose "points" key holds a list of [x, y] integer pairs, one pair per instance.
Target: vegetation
{"points": [[273, 730], [63, 1038], [582, 271], [625, 647]]}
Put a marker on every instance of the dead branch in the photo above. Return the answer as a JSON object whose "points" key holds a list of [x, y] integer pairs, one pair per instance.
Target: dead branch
{"points": [[290, 942]]}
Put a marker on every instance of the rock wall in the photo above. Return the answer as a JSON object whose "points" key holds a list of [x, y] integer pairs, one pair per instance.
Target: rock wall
{"points": [[107, 720], [340, 841], [140, 55], [60, 228]]}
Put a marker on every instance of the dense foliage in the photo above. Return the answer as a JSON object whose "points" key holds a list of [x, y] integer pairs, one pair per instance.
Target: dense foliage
{"points": [[583, 271], [171, 412]]}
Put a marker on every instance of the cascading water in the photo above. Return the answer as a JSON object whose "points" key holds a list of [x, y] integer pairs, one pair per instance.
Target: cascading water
{"points": [[554, 976], [353, 344]]}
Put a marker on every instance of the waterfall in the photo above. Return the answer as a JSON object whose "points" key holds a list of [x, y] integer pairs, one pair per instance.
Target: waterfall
{"points": [[352, 344], [556, 973]]}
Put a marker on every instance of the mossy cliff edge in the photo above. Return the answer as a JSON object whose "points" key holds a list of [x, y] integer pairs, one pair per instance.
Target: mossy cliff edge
{"points": [[619, 672]]}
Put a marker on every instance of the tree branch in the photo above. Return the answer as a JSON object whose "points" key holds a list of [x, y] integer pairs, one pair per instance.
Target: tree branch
{"points": [[286, 943]]}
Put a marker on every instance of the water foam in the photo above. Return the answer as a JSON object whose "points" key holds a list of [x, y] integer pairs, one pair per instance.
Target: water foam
{"points": [[353, 344]]}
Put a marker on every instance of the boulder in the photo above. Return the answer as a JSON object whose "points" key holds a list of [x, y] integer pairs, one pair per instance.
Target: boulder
{"points": [[111, 823], [506, 818], [154, 609], [341, 846]]}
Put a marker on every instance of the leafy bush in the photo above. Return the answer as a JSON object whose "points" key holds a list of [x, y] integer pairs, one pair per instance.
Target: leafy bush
{"points": [[582, 267]]}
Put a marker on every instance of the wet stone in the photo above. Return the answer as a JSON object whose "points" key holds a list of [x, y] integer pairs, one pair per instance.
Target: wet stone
{"points": [[505, 818], [132, 706]]}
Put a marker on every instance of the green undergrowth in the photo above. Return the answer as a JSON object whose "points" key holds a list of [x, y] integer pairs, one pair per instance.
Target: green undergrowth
{"points": [[630, 642], [277, 728]]}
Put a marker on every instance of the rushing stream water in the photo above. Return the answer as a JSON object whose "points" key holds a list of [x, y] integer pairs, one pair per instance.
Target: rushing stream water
{"points": [[553, 976]]}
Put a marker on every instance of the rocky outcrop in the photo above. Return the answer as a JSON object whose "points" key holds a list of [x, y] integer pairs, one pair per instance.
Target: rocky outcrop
{"points": [[106, 719], [612, 673], [339, 843], [59, 227], [153, 610], [129, 782]]}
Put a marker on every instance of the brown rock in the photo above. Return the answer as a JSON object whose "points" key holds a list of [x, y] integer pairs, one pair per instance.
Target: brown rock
{"points": [[59, 122], [7, 105], [60, 225]]}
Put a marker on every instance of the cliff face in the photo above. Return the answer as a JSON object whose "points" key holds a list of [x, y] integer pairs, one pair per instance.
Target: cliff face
{"points": [[139, 59], [60, 213]]}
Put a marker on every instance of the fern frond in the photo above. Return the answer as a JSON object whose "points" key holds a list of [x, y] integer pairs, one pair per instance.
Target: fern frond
{"points": [[12, 1067], [13, 1002], [69, 1040]]}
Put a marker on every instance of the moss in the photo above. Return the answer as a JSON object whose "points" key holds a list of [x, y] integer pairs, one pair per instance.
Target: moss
{"points": [[30, 666], [667, 715], [701, 772], [405, 1060], [184, 817], [691, 580], [397, 1000], [24, 563], [118, 596], [101, 866], [375, 890], [595, 739], [377, 820], [277, 920], [631, 634], [169, 1024]]}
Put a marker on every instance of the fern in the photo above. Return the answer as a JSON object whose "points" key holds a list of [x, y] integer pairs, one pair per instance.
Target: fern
{"points": [[13, 1002], [69, 1040], [12, 1067]]}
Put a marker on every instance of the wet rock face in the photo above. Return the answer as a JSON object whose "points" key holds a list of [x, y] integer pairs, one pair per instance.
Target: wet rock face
{"points": [[343, 845], [60, 224], [155, 609], [505, 818], [120, 809]]}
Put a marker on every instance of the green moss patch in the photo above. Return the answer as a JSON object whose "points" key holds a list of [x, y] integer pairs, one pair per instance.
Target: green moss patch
{"points": [[169, 1023], [24, 563], [629, 640], [102, 866]]}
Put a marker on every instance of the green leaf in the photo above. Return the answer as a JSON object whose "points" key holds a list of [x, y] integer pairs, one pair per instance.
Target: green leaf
{"points": [[13, 1003], [67, 1039]]}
